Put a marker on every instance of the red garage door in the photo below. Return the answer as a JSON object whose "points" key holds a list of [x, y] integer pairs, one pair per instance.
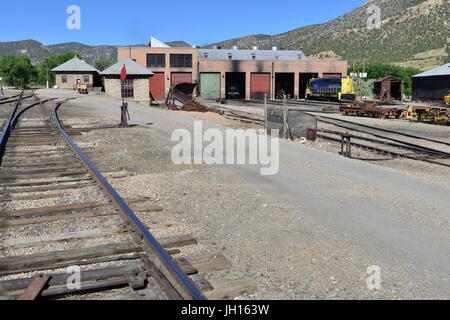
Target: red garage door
{"points": [[157, 86], [260, 85], [181, 77]]}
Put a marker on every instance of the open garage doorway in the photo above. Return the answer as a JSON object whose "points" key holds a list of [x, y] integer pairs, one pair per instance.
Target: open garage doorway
{"points": [[284, 85], [304, 82], [235, 85]]}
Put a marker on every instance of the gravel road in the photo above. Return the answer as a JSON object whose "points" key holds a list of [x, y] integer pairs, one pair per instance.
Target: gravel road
{"points": [[309, 232]]}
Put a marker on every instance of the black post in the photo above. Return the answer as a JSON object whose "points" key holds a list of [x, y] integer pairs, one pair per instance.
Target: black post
{"points": [[125, 116]]}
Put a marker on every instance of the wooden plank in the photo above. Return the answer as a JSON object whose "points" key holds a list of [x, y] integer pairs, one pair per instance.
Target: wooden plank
{"points": [[203, 285], [210, 263], [88, 287], [18, 166], [161, 281], [69, 236], [11, 198], [57, 187], [73, 255], [85, 262], [35, 288], [48, 170], [184, 264], [61, 278], [6, 223], [230, 290], [61, 208], [42, 183], [41, 176]]}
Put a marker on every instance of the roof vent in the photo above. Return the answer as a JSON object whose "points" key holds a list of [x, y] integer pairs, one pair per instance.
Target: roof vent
{"points": [[235, 48], [275, 48], [255, 48]]}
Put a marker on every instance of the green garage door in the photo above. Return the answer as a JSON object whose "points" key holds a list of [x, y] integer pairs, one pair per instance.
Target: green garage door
{"points": [[210, 85]]}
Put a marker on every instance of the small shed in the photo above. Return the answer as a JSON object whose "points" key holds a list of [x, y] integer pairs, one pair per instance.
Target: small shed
{"points": [[137, 85], [75, 71], [388, 88], [432, 85]]}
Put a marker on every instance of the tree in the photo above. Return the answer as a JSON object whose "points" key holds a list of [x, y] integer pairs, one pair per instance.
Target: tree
{"points": [[378, 70], [103, 64], [17, 71], [53, 62]]}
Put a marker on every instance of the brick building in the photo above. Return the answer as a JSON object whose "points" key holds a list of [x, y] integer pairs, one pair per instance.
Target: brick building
{"points": [[73, 71], [231, 73], [135, 88]]}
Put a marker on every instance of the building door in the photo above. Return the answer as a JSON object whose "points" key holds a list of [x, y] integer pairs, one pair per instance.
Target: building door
{"points": [[235, 85], [284, 85], [260, 86], [181, 77], [305, 78], [157, 86], [210, 85]]}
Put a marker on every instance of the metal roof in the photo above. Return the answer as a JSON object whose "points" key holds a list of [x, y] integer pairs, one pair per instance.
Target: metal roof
{"points": [[75, 65], [259, 55], [439, 71], [133, 68]]}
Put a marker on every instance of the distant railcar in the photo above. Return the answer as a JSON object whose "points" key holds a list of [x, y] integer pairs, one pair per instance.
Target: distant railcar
{"points": [[331, 89]]}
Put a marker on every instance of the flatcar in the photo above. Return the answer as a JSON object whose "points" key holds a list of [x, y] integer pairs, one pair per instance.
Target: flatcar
{"points": [[331, 89]]}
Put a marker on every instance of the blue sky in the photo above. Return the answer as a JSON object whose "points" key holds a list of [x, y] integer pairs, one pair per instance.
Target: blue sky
{"points": [[198, 22]]}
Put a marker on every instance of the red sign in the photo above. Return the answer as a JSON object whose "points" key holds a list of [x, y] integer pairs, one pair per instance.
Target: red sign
{"points": [[123, 73]]}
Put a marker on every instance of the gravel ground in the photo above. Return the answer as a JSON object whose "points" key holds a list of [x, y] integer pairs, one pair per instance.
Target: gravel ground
{"points": [[309, 232]]}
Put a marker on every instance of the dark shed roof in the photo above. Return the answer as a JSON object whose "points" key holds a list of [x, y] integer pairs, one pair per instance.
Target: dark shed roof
{"points": [[388, 78]]}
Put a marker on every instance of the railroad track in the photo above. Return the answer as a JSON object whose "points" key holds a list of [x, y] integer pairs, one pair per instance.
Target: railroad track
{"points": [[300, 105], [383, 141], [88, 227], [401, 145]]}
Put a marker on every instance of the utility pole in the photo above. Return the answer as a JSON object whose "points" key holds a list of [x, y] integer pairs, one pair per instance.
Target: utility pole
{"points": [[46, 71], [362, 79]]}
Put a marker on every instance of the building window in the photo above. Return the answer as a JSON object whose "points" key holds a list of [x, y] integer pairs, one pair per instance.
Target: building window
{"points": [[64, 79], [86, 79], [128, 88], [205, 56], [230, 56], [254, 56], [156, 60], [181, 60]]}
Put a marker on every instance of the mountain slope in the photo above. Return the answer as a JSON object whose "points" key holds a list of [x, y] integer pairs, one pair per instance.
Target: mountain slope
{"points": [[408, 27], [37, 52]]}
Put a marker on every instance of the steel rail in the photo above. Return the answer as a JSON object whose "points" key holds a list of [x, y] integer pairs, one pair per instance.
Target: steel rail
{"points": [[7, 128], [9, 98], [156, 253], [15, 100], [407, 144], [395, 145], [387, 130], [17, 117], [398, 155]]}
